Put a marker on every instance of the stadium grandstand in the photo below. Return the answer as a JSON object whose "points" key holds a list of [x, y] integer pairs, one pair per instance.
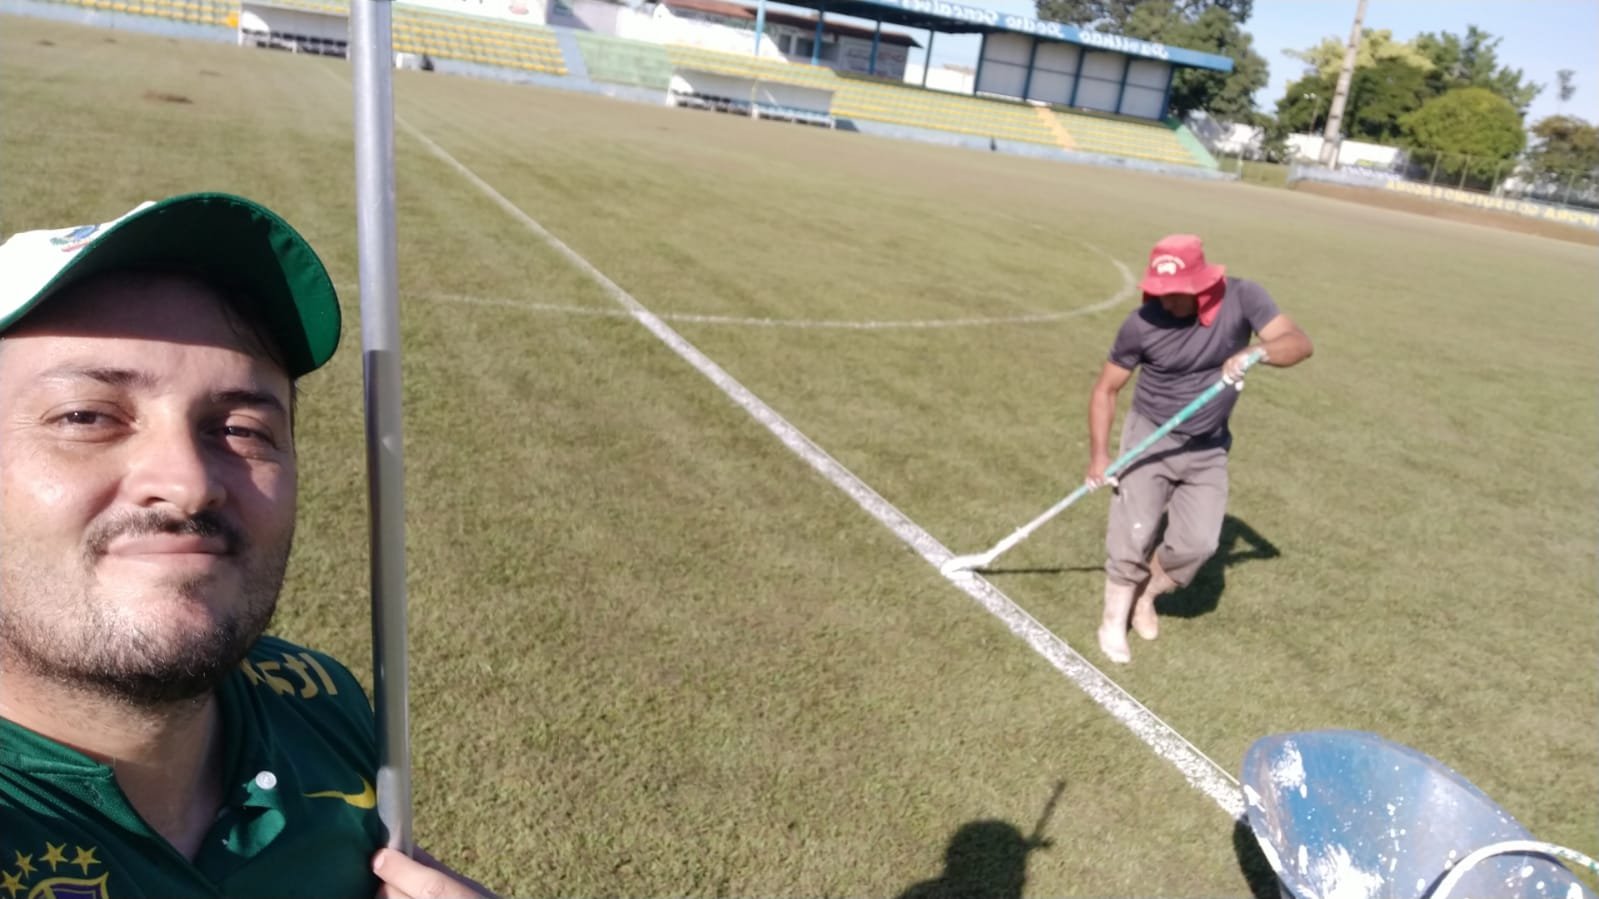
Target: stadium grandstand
{"points": [[1036, 87]]}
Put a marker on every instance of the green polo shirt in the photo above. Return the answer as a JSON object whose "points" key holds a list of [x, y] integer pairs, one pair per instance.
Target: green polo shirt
{"points": [[298, 817]]}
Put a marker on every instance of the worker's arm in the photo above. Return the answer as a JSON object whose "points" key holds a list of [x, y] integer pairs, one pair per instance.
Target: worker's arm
{"points": [[1283, 343], [1101, 413]]}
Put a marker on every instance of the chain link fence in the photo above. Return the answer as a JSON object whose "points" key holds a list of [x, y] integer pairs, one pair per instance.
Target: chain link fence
{"points": [[1513, 179]]}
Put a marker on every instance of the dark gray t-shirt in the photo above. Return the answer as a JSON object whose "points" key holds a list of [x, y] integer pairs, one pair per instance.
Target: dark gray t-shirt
{"points": [[1180, 357]]}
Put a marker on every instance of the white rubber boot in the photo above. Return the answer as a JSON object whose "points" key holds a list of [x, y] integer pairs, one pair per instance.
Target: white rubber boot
{"points": [[1113, 627], [1146, 623]]}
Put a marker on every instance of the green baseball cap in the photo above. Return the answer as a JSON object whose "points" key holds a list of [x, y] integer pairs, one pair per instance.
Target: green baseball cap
{"points": [[230, 242]]}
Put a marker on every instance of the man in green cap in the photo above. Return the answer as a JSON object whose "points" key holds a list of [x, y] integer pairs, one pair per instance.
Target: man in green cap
{"points": [[152, 741]]}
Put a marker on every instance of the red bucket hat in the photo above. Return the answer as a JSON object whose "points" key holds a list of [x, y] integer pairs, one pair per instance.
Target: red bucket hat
{"points": [[1177, 265]]}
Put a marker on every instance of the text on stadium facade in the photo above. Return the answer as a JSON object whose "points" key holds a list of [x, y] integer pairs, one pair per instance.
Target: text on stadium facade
{"points": [[1028, 25]]}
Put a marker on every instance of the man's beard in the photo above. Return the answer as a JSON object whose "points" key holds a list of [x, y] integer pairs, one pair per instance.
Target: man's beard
{"points": [[74, 642]]}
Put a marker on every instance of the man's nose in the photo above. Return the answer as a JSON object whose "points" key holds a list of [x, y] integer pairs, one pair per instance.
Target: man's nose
{"points": [[171, 467]]}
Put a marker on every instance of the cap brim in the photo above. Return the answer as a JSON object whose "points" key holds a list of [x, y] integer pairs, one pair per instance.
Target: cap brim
{"points": [[237, 246]]}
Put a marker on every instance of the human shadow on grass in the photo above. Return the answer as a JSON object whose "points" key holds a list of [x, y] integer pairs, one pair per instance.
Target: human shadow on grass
{"points": [[986, 859], [1058, 569], [1203, 595], [1258, 874]]}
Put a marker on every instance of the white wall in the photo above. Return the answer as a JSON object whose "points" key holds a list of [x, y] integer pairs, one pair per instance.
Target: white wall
{"points": [[1351, 153], [855, 55], [525, 11], [661, 26], [590, 15], [325, 26], [1101, 81], [1145, 94], [1054, 70], [941, 78], [789, 95], [1003, 67]]}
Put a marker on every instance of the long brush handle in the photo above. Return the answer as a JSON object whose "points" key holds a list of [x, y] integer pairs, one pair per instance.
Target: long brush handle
{"points": [[1183, 414], [1122, 461]]}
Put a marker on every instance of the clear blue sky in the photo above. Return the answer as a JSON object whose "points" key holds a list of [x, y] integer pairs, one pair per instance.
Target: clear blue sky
{"points": [[1539, 37]]}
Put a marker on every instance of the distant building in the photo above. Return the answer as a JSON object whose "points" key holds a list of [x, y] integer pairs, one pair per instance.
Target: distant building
{"points": [[845, 47]]}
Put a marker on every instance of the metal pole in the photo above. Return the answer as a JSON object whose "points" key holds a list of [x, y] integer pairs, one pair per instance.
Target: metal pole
{"points": [[1335, 115], [877, 38], [977, 77], [1464, 168], [927, 62], [1121, 89], [372, 62], [1570, 183], [1432, 179], [1032, 60], [760, 24], [816, 42]]}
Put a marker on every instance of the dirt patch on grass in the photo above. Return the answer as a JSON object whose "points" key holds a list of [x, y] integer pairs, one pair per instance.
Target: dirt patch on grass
{"points": [[1509, 221], [164, 97]]}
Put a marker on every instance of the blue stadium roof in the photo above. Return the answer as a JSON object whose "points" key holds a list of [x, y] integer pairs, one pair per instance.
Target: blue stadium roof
{"points": [[958, 18]]}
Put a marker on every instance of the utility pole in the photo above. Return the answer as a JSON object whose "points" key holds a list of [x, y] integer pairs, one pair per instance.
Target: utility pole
{"points": [[1335, 116]]}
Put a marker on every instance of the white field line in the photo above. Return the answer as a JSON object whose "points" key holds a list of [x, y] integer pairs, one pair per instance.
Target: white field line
{"points": [[1199, 770]]}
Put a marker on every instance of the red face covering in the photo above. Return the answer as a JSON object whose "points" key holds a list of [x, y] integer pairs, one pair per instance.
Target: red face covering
{"points": [[1207, 302], [1210, 302]]}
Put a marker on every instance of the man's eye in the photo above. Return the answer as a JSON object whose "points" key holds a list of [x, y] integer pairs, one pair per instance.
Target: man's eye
{"points": [[240, 432], [82, 417]]}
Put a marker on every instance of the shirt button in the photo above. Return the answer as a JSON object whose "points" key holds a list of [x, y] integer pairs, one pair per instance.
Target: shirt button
{"points": [[266, 780]]}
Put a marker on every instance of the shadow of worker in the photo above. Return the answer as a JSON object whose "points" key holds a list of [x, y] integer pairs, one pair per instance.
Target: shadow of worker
{"points": [[984, 860], [1237, 544]]}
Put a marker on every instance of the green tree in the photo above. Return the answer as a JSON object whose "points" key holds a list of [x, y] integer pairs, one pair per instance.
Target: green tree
{"points": [[1303, 107], [1469, 133], [1113, 15], [1564, 148], [1380, 96], [1568, 88], [1108, 15], [1376, 46], [1229, 96], [1472, 60], [1379, 99]]}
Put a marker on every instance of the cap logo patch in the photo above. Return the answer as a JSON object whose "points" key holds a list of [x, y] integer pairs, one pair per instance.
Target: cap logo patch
{"points": [[75, 239], [1166, 265]]}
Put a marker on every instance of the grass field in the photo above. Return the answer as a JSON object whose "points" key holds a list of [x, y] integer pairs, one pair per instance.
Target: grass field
{"points": [[655, 653]]}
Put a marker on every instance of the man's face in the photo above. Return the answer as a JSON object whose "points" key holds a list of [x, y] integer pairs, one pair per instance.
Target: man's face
{"points": [[147, 489], [1179, 305]]}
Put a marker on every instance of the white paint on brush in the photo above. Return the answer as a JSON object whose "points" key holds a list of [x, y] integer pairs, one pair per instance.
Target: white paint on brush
{"points": [[1336, 876], [1288, 770]]}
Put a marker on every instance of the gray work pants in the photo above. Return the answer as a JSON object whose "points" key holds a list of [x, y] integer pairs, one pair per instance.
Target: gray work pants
{"points": [[1187, 485]]}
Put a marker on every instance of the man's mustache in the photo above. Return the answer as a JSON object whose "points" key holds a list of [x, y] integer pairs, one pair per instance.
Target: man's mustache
{"points": [[207, 525]]}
